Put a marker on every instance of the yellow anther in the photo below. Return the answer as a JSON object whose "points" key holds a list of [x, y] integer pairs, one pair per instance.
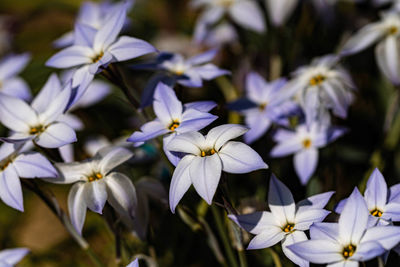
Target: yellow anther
{"points": [[317, 80], [262, 106], [97, 57], [36, 129], [175, 124], [288, 228], [349, 251], [307, 143], [376, 213], [208, 152], [99, 176], [91, 178], [94, 177], [392, 30], [203, 154]]}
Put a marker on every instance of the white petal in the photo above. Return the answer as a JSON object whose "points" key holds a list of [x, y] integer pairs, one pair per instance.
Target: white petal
{"points": [[306, 216], [248, 15], [237, 157], [256, 222], [56, 135], [305, 163], [281, 202], [10, 188], [219, 135], [386, 236], [290, 239], [180, 182], [72, 172], [114, 158], [187, 142], [47, 94], [166, 105], [95, 195], [322, 231], [363, 38], [121, 193], [267, 238], [30, 165], [387, 57], [279, 11], [376, 191], [56, 107], [318, 251], [77, 206], [205, 173]]}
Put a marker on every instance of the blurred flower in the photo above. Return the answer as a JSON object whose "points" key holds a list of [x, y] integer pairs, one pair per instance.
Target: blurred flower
{"points": [[349, 241], [304, 143], [10, 83], [322, 86], [173, 119], [134, 263], [207, 156], [383, 206], [95, 183], [246, 13], [262, 106], [386, 34], [10, 257], [13, 165], [176, 69], [91, 14], [285, 222], [94, 49], [279, 11], [41, 121]]}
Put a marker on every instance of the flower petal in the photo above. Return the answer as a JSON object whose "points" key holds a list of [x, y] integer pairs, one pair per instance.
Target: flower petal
{"points": [[16, 87], [194, 120], [248, 15], [114, 158], [47, 94], [279, 11], [258, 123], [30, 165], [322, 231], [128, 47], [280, 201], [72, 172], [386, 236], [387, 56], [12, 65], [206, 72], [57, 106], [365, 37], [316, 201], [305, 163], [187, 142], [148, 131], [238, 157], [290, 239], [205, 173], [219, 135], [267, 238], [56, 135], [166, 105], [306, 216], [77, 206], [203, 57], [121, 193], [70, 57], [256, 222], [180, 182], [10, 188], [318, 251], [367, 251], [376, 192], [95, 195], [13, 256], [16, 114]]}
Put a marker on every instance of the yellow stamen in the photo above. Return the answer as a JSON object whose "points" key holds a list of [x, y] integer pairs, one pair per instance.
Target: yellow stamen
{"points": [[376, 213], [97, 57], [307, 143], [392, 30], [207, 152], [288, 228], [175, 124], [94, 177], [317, 80], [349, 251], [262, 106], [37, 129]]}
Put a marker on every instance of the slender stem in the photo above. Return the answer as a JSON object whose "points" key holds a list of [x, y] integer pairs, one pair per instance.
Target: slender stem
{"points": [[114, 225], [52, 204], [224, 237], [275, 257]]}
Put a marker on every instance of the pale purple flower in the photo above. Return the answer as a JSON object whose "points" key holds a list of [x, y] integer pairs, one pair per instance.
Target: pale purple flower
{"points": [[173, 119], [385, 33], [246, 13], [41, 120], [349, 241], [91, 14], [96, 182], [206, 157], [323, 85], [175, 68], [10, 257], [134, 263], [383, 204], [280, 11], [304, 143], [10, 83], [94, 49], [286, 222], [262, 106], [15, 165]]}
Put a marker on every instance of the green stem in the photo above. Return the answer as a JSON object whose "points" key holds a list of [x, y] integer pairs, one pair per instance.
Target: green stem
{"points": [[225, 240], [275, 257]]}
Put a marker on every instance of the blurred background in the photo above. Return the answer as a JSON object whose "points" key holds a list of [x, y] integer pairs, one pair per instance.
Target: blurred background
{"points": [[190, 238]]}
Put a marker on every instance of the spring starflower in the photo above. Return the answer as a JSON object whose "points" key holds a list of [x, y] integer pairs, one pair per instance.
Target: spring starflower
{"points": [[10, 83], [14, 165], [38, 121], [349, 241], [286, 222], [98, 48], [96, 182], [304, 143], [10, 257], [383, 204], [173, 119], [206, 157], [385, 33]]}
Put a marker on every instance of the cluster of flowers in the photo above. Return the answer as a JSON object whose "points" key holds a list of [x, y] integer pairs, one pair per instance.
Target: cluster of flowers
{"points": [[313, 93]]}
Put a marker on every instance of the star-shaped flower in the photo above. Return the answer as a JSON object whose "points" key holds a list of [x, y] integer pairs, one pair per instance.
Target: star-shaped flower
{"points": [[349, 241], [96, 182], [173, 119], [206, 157], [285, 222]]}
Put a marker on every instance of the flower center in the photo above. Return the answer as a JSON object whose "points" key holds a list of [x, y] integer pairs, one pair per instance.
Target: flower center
{"points": [[207, 152], [94, 177], [97, 57], [288, 228], [376, 213], [37, 129], [262, 106], [175, 124], [307, 143], [349, 251], [392, 30], [317, 80], [226, 3]]}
